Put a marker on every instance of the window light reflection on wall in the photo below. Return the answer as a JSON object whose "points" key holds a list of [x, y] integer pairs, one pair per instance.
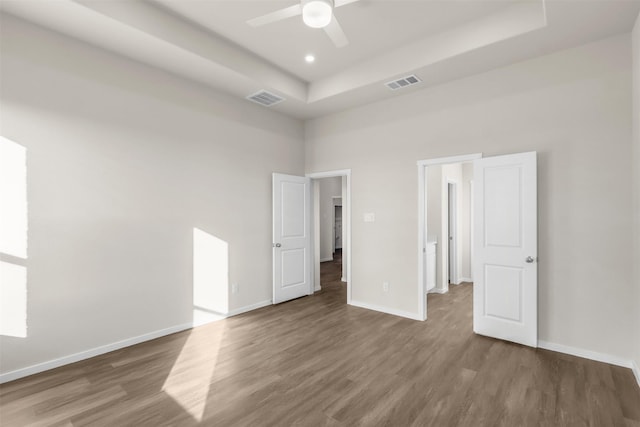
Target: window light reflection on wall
{"points": [[13, 239]]}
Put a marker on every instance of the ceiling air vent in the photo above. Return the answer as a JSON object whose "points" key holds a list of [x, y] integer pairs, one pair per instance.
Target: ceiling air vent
{"points": [[265, 98], [403, 82]]}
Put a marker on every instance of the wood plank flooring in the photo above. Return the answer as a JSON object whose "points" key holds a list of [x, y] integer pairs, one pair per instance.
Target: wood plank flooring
{"points": [[317, 362]]}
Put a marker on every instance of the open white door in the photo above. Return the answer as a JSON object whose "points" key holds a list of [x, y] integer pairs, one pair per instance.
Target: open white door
{"points": [[505, 293], [291, 237]]}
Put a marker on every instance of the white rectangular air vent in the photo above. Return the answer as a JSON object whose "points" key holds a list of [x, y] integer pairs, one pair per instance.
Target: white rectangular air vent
{"points": [[403, 82], [265, 98]]}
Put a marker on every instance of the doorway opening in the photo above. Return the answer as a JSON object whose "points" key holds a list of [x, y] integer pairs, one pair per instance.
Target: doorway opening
{"points": [[331, 236], [445, 224], [337, 221], [503, 215]]}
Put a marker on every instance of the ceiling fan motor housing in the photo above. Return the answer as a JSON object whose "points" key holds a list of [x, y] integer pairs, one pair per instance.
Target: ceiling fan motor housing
{"points": [[317, 13]]}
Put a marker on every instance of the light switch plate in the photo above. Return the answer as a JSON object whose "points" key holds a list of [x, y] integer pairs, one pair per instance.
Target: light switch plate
{"points": [[369, 217]]}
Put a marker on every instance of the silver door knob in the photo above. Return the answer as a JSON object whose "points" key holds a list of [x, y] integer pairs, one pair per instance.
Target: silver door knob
{"points": [[530, 259], [277, 245]]}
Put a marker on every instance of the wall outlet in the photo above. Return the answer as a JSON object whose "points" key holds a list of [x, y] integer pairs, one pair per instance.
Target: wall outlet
{"points": [[369, 217], [385, 286], [234, 288]]}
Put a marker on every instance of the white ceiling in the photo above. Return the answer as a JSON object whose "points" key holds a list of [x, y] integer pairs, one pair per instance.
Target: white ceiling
{"points": [[372, 27], [210, 42]]}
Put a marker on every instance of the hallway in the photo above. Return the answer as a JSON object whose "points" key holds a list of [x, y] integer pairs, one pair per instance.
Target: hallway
{"points": [[330, 279]]}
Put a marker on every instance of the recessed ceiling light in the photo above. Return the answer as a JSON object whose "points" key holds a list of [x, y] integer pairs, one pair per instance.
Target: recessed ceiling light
{"points": [[310, 58]]}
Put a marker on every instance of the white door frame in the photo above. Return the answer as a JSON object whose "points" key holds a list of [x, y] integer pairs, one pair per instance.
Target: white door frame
{"points": [[422, 221], [346, 241], [452, 230], [471, 229]]}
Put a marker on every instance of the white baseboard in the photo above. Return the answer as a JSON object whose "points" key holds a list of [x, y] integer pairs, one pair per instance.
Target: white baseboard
{"points": [[317, 288], [587, 354], [76, 357], [387, 310], [250, 307], [636, 371], [464, 279], [343, 279], [438, 291], [326, 259], [97, 351]]}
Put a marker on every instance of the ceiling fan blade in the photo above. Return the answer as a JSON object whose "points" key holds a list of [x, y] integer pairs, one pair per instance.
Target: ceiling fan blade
{"points": [[338, 3], [278, 15], [335, 33]]}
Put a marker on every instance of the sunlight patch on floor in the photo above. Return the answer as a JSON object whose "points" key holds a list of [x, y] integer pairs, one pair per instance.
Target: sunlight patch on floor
{"points": [[190, 377]]}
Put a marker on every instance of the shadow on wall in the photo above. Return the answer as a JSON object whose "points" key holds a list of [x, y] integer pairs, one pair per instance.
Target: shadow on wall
{"points": [[13, 239]]}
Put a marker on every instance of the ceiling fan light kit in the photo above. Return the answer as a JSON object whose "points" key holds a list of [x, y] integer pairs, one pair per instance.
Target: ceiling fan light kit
{"points": [[317, 13]]}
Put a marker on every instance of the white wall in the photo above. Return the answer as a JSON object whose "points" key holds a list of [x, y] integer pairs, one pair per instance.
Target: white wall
{"points": [[329, 188], [574, 108], [636, 180], [124, 161]]}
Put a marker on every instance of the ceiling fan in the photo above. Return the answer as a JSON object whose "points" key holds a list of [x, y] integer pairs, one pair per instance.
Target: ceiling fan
{"points": [[315, 14]]}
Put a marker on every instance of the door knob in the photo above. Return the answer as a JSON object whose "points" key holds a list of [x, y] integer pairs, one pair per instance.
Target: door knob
{"points": [[530, 259], [277, 245]]}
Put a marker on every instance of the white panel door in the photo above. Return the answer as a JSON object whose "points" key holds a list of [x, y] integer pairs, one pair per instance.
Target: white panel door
{"points": [[505, 290], [291, 237]]}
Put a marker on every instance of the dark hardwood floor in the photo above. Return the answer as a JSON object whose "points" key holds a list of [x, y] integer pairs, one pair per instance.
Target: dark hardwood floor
{"points": [[317, 362]]}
